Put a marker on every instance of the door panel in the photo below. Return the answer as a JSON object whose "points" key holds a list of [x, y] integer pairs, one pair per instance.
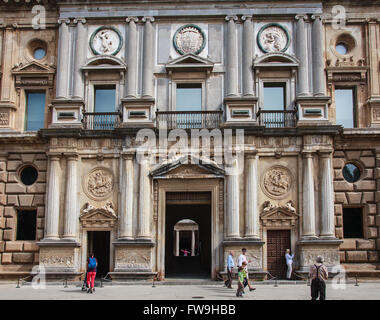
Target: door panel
{"points": [[277, 242]]}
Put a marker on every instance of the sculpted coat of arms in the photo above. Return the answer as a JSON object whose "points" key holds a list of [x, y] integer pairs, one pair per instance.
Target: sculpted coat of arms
{"points": [[273, 38], [189, 39], [276, 182], [106, 40], [99, 183]]}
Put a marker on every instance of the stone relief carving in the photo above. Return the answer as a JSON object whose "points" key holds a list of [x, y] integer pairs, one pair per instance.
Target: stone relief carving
{"points": [[289, 206], [376, 114], [273, 38], [106, 40], [99, 183], [104, 216], [252, 255], [189, 39], [133, 259], [4, 118], [283, 215], [331, 257], [67, 261], [276, 182]]}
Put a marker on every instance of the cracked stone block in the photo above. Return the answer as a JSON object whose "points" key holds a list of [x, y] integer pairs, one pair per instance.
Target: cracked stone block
{"points": [[369, 162], [365, 244], [343, 186], [354, 197], [26, 200], [338, 163], [372, 233], [342, 256], [340, 197], [353, 155], [15, 188], [13, 165], [6, 258], [37, 188], [366, 185], [348, 244], [13, 246], [356, 256], [23, 257], [12, 200]]}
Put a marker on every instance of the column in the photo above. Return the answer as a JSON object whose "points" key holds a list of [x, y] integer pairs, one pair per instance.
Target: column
{"points": [[318, 61], [132, 57], [126, 199], [233, 203], [373, 57], [71, 214], [251, 209], [192, 242], [52, 208], [63, 59], [144, 201], [308, 197], [327, 196], [177, 243], [248, 51], [301, 44], [232, 55], [80, 57], [148, 57], [7, 63]]}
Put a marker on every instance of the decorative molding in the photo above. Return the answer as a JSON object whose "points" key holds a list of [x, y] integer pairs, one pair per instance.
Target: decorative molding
{"points": [[273, 37], [145, 19], [106, 40], [276, 182], [189, 39], [98, 217], [279, 216], [134, 19], [98, 184]]}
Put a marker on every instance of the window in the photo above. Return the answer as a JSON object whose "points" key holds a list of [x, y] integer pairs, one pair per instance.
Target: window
{"points": [[345, 111], [28, 175], [35, 110], [274, 96], [105, 98], [341, 48], [26, 224], [189, 97], [352, 223], [351, 172], [39, 53]]}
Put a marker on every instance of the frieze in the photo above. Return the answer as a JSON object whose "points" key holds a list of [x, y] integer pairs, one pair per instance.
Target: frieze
{"points": [[276, 182], [130, 259], [57, 261], [98, 184]]}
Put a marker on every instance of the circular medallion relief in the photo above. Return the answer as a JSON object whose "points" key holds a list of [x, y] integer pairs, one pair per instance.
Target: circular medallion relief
{"points": [[276, 182], [273, 38], [189, 39], [106, 40], [98, 184]]}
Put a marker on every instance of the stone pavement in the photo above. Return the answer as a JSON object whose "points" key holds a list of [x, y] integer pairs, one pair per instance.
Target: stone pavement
{"points": [[216, 291]]}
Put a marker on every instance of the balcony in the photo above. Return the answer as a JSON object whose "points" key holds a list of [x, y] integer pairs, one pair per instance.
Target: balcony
{"points": [[277, 119], [100, 120], [188, 119]]}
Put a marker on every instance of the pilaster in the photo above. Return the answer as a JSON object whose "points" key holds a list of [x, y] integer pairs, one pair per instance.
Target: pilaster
{"points": [[232, 55], [80, 57], [131, 89]]}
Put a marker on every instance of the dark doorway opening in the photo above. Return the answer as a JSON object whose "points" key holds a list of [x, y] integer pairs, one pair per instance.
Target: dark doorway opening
{"points": [[277, 243], [352, 223], [99, 245], [198, 264]]}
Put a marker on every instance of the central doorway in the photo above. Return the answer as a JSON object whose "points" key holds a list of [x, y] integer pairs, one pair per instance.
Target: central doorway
{"points": [[277, 243], [99, 245], [188, 234]]}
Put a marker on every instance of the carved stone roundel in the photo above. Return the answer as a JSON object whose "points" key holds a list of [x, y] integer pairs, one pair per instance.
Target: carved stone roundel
{"points": [[273, 38], [99, 183], [189, 39], [106, 40], [276, 182]]}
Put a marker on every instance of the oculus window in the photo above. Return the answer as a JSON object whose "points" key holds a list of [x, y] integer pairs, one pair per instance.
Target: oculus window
{"points": [[274, 96], [352, 223], [26, 224], [35, 110], [28, 175], [351, 172], [344, 104]]}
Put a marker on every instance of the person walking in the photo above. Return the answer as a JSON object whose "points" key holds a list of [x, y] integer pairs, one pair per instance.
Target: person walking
{"points": [[91, 273], [230, 267], [240, 289], [289, 262], [243, 262], [318, 275]]}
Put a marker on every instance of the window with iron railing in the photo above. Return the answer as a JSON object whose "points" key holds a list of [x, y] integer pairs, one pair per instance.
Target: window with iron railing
{"points": [[35, 110]]}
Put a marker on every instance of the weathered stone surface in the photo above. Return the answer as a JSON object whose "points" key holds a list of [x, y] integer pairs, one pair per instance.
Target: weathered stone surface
{"points": [[339, 233], [36, 258], [1, 211], [354, 197], [343, 186], [12, 200], [13, 165], [28, 157], [2, 246], [8, 234], [40, 212], [366, 185], [9, 212], [3, 165], [371, 208], [377, 173], [6, 258], [13, 246], [342, 256], [367, 153], [3, 176], [371, 220], [372, 233], [30, 246], [368, 174], [378, 244], [40, 223], [2, 222], [3, 199], [41, 177], [377, 220], [338, 221], [39, 200], [338, 163], [338, 209], [373, 256], [37, 188], [369, 162], [348, 244], [339, 154], [41, 165], [338, 175], [2, 187], [12, 177], [26, 200], [340, 197], [356, 256], [368, 197], [10, 223], [23, 258], [15, 188], [365, 244], [40, 234], [353, 155]]}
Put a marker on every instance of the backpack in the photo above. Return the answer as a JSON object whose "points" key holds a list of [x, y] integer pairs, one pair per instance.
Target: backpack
{"points": [[91, 263]]}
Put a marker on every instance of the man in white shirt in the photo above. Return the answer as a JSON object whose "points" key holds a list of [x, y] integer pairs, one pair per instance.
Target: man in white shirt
{"points": [[243, 258]]}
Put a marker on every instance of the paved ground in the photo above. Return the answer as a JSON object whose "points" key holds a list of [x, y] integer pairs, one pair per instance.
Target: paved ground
{"points": [[365, 291]]}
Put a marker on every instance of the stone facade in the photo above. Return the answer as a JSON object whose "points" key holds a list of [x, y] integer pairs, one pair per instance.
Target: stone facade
{"points": [[90, 174]]}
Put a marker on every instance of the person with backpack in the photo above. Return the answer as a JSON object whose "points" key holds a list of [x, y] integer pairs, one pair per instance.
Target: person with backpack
{"points": [[91, 273], [318, 275]]}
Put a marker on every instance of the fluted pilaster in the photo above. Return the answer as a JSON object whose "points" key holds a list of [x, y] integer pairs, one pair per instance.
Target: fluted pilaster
{"points": [[71, 213], [132, 57]]}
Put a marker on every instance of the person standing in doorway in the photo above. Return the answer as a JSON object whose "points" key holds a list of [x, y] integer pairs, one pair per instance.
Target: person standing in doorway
{"points": [[91, 273], [230, 267], [289, 263], [185, 252], [318, 275], [243, 262]]}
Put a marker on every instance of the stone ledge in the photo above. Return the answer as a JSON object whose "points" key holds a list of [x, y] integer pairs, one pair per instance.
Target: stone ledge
{"points": [[132, 275], [58, 243], [137, 242], [333, 241], [242, 241]]}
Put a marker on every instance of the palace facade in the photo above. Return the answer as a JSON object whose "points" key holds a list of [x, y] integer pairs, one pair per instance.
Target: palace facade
{"points": [[286, 93]]}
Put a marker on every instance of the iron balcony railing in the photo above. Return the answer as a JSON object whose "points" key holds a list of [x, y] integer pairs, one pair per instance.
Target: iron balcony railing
{"points": [[189, 119], [100, 120], [277, 119]]}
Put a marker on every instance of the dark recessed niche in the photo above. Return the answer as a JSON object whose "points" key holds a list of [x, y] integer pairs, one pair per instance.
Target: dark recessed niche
{"points": [[351, 172], [28, 175]]}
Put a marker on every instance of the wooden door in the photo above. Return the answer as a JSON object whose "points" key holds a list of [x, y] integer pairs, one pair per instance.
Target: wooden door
{"points": [[277, 242]]}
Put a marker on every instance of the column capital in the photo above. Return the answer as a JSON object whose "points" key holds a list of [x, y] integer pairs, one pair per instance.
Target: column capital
{"points": [[63, 21], [325, 153], [79, 20], [307, 154], [54, 156], [73, 156], [148, 19], [233, 18], [251, 154], [246, 18], [300, 16], [128, 155], [317, 16], [133, 19]]}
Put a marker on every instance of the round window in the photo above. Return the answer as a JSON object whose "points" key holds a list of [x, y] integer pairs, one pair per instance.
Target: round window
{"points": [[39, 53], [341, 48], [351, 172], [28, 175]]}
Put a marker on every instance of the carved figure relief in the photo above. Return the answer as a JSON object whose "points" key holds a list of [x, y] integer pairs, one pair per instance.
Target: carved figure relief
{"points": [[99, 183], [133, 259], [279, 216], [53, 261], [106, 40], [276, 182], [189, 39], [104, 216], [273, 38]]}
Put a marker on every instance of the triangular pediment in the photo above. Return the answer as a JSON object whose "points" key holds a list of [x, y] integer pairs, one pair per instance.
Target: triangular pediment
{"points": [[187, 167], [278, 213], [90, 213], [279, 216], [32, 68], [190, 62]]}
